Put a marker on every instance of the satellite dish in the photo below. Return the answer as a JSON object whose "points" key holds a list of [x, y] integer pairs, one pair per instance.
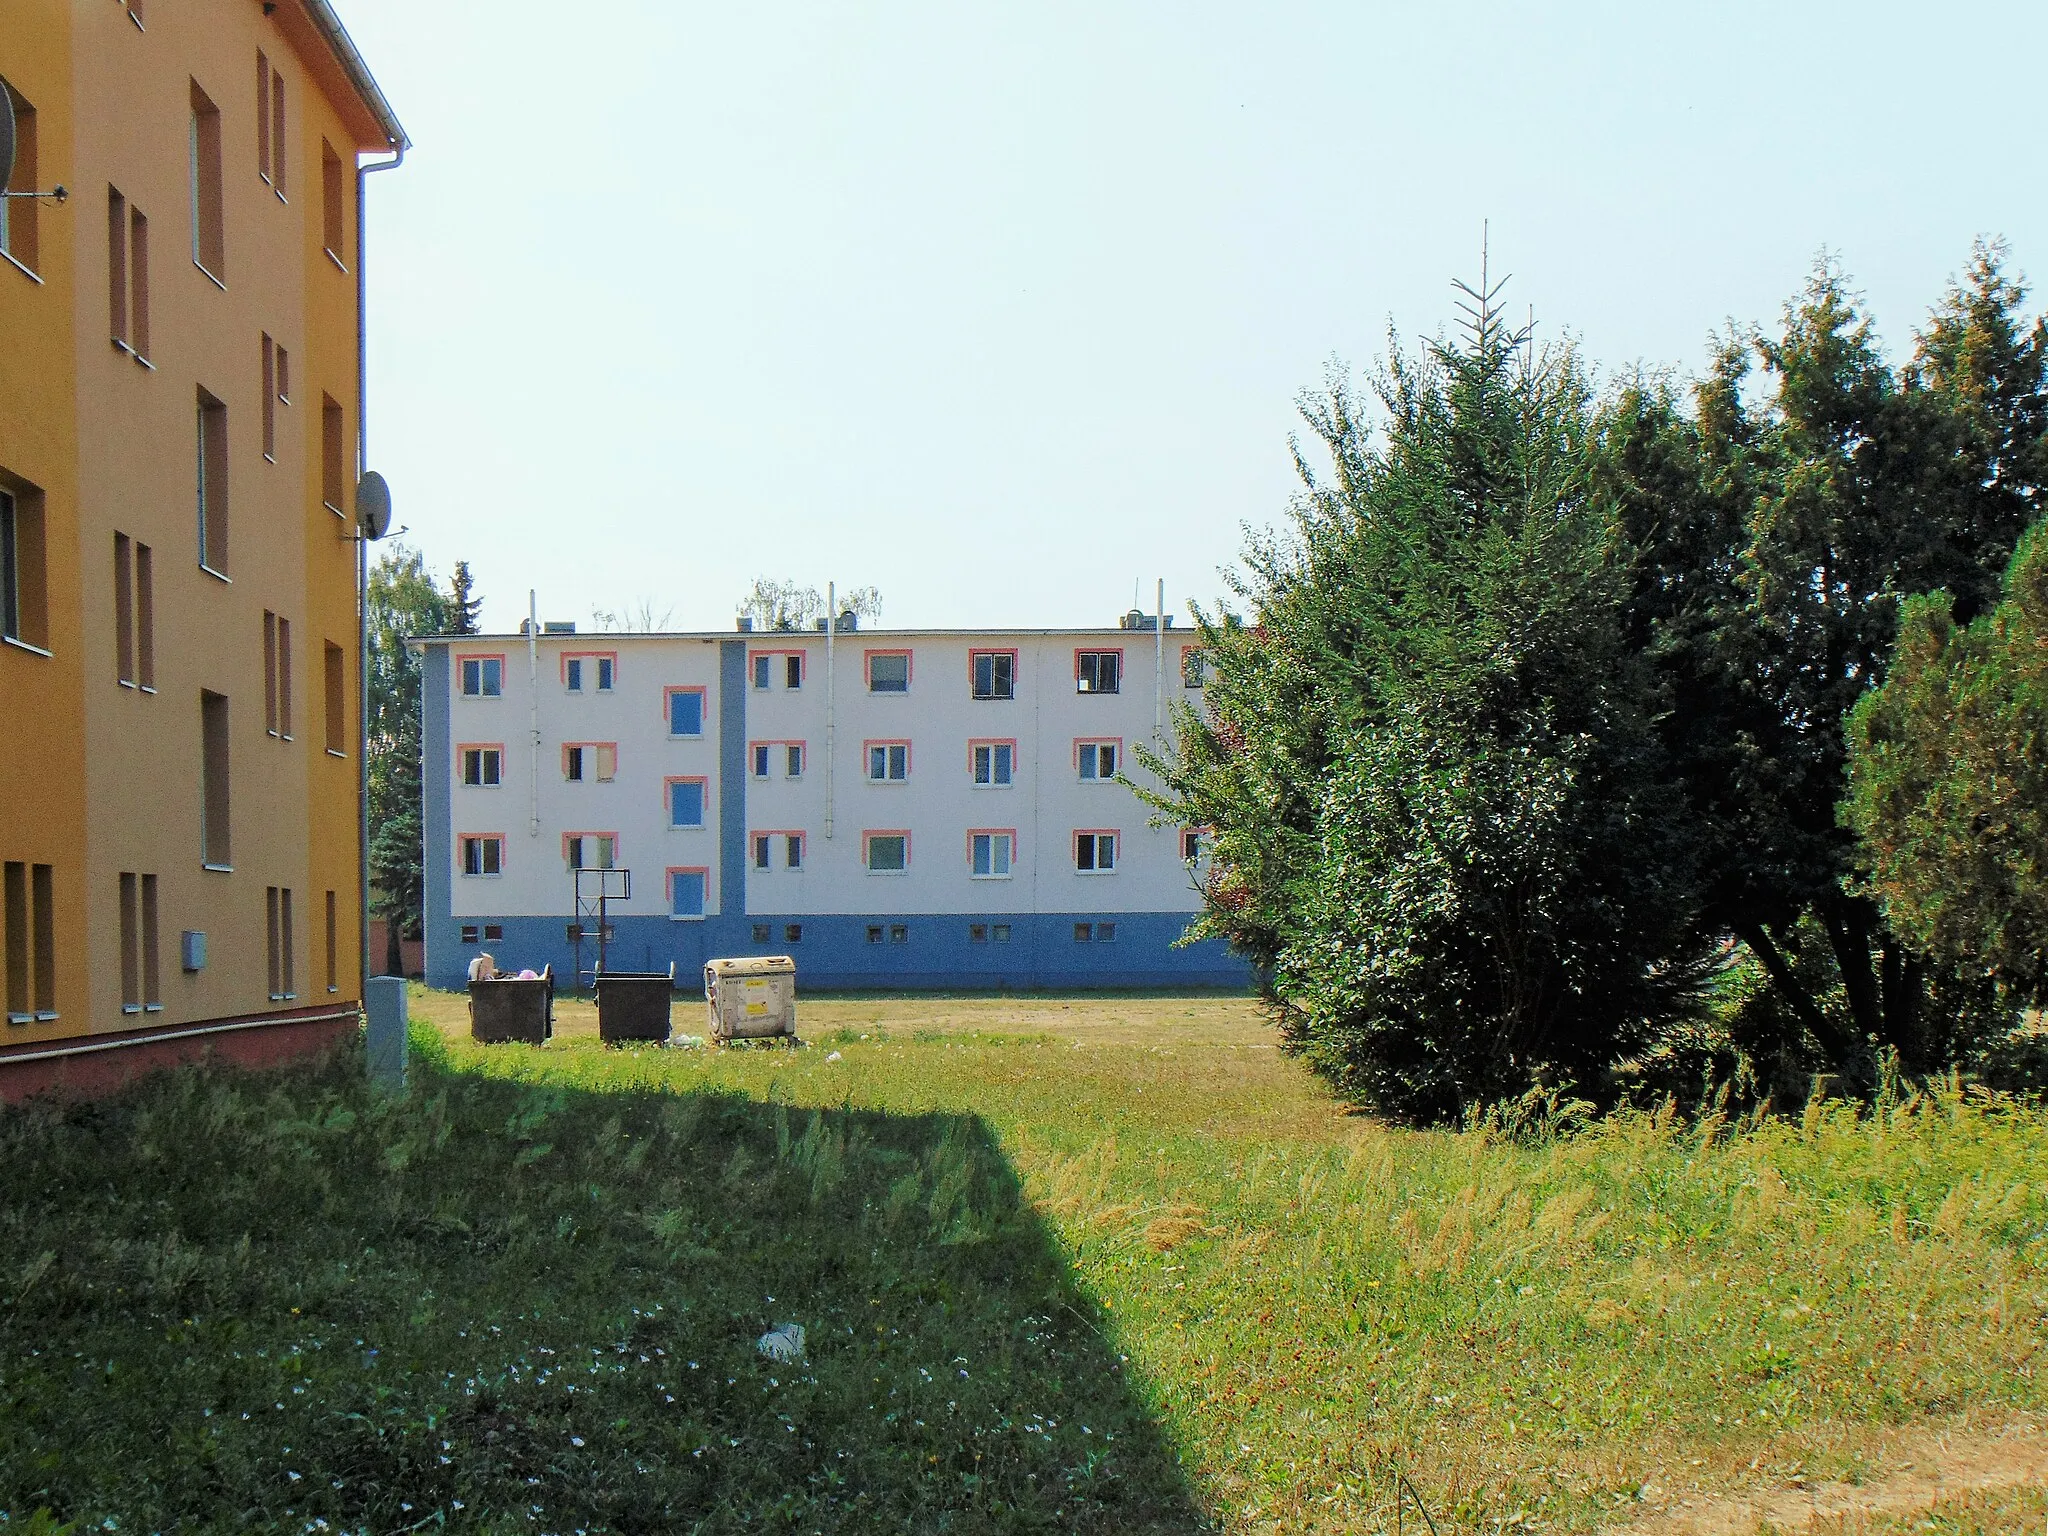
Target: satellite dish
{"points": [[373, 506], [6, 138]]}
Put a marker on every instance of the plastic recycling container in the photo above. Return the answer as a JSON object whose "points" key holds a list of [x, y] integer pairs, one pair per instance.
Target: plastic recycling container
{"points": [[752, 998], [633, 1006], [509, 1009]]}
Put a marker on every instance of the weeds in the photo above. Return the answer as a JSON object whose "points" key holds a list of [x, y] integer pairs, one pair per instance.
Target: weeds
{"points": [[1532, 1319]]}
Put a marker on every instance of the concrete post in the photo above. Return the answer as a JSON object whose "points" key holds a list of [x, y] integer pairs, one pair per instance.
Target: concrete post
{"points": [[385, 1006]]}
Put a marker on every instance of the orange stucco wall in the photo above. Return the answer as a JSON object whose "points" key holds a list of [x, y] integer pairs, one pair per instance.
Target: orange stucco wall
{"points": [[112, 439]]}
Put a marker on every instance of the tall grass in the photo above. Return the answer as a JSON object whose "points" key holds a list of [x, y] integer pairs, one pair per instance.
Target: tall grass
{"points": [[1182, 1285]]}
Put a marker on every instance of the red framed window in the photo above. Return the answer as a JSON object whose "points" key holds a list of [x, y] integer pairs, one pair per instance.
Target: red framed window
{"points": [[992, 674], [886, 671]]}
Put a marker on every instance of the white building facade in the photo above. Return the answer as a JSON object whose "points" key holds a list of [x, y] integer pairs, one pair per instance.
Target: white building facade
{"points": [[896, 809]]}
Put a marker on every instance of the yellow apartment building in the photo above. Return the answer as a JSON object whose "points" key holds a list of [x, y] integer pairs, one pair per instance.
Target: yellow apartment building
{"points": [[180, 635]]}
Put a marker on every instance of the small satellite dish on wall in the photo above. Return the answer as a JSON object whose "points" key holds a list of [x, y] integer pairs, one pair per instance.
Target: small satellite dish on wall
{"points": [[373, 506], [6, 137]]}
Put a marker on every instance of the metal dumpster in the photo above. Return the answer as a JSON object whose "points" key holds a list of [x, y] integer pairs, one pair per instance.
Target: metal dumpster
{"points": [[752, 998], [511, 1009], [633, 1006]]}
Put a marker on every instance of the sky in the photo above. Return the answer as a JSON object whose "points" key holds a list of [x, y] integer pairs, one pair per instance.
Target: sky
{"points": [[1006, 310]]}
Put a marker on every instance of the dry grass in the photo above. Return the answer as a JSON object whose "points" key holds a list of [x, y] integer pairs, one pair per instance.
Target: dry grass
{"points": [[1566, 1334]]}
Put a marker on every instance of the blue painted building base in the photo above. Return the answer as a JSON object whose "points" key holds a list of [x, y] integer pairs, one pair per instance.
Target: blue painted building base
{"points": [[905, 952]]}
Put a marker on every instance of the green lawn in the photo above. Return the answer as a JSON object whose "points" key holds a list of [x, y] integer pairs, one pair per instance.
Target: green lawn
{"points": [[1064, 1265]]}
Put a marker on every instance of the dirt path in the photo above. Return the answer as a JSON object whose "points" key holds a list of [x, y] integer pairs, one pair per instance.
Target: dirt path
{"points": [[1917, 1469]]}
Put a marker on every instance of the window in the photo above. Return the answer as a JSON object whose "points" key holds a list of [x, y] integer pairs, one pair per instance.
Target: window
{"points": [[1095, 852], [483, 767], [792, 933], [269, 398], [277, 676], [333, 456], [483, 677], [124, 610], [270, 141], [993, 674], [269, 673], [992, 763], [1084, 933], [284, 678], [686, 802], [262, 115], [213, 484], [216, 850], [686, 888], [762, 750], [333, 950], [1095, 933], [793, 760], [886, 853], [29, 891], [333, 199], [131, 943], [483, 854], [1190, 845], [18, 215], [277, 905], [141, 983], [686, 711], [127, 276], [583, 667], [888, 761], [209, 235], [977, 933], [1098, 671], [765, 845], [1194, 667], [594, 760], [1096, 760], [336, 676], [999, 933], [874, 933], [494, 932], [767, 666], [899, 933], [24, 614], [590, 850], [763, 933], [469, 933], [888, 671], [145, 619], [989, 854]]}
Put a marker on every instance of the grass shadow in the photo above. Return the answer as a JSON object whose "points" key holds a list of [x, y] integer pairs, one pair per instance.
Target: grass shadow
{"points": [[283, 1302]]}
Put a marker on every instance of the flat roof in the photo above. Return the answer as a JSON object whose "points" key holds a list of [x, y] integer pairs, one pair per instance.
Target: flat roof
{"points": [[864, 633]]}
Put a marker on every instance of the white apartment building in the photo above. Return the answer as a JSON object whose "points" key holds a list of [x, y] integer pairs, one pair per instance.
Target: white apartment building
{"points": [[896, 809]]}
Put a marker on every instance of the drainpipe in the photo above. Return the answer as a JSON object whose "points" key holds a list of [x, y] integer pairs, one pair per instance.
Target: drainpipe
{"points": [[363, 566], [533, 716], [1159, 667], [831, 633]]}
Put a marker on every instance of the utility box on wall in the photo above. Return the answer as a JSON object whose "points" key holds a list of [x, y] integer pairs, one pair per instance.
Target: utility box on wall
{"points": [[192, 950]]}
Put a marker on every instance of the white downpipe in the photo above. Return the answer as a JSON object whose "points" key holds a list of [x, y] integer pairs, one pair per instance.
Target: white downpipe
{"points": [[831, 634], [533, 711], [1159, 668]]}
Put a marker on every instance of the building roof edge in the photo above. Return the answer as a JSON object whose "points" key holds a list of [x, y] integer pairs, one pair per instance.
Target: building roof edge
{"points": [[323, 16]]}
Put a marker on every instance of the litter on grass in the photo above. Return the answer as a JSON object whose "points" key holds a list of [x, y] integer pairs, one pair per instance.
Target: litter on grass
{"points": [[785, 1341]]}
